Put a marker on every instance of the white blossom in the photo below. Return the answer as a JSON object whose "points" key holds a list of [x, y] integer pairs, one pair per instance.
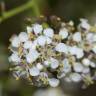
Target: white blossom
{"points": [[94, 49], [54, 63], [32, 56], [41, 53], [74, 50], [63, 33], [68, 79], [28, 44], [34, 44], [54, 82], [50, 92], [89, 37], [23, 36], [34, 71], [39, 66], [61, 47], [80, 53], [29, 29], [48, 40], [78, 67], [67, 66], [15, 41], [86, 62], [41, 40], [37, 28], [46, 63], [71, 23], [94, 37], [77, 37], [14, 58], [84, 24], [49, 32], [75, 77], [86, 70], [93, 64]]}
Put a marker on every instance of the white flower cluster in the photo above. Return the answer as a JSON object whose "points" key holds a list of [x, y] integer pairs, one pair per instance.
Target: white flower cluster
{"points": [[44, 57]]}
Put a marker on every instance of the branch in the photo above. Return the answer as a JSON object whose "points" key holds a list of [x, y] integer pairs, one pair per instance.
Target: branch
{"points": [[15, 11]]}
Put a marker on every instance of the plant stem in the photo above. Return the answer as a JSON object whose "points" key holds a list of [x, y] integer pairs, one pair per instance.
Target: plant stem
{"points": [[15, 11], [36, 8]]}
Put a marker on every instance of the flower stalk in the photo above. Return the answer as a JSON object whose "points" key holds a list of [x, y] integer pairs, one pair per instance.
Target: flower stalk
{"points": [[30, 4]]}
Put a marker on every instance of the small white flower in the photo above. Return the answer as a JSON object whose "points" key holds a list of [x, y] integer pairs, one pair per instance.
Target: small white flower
{"points": [[49, 32], [23, 36], [63, 33], [75, 77], [67, 66], [29, 29], [54, 63], [89, 37], [15, 41], [34, 71], [28, 44], [37, 28], [46, 63], [84, 24], [94, 49], [39, 66], [74, 50], [41, 40], [78, 67], [14, 58], [86, 70], [54, 82], [67, 79], [34, 44], [77, 37], [80, 53], [71, 23], [86, 62], [94, 38], [32, 56], [93, 65], [61, 47], [48, 40]]}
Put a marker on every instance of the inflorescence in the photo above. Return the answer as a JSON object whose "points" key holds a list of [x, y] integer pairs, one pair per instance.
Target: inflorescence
{"points": [[50, 50]]}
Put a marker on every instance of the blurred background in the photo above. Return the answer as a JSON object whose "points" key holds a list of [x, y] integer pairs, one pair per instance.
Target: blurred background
{"points": [[13, 15]]}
